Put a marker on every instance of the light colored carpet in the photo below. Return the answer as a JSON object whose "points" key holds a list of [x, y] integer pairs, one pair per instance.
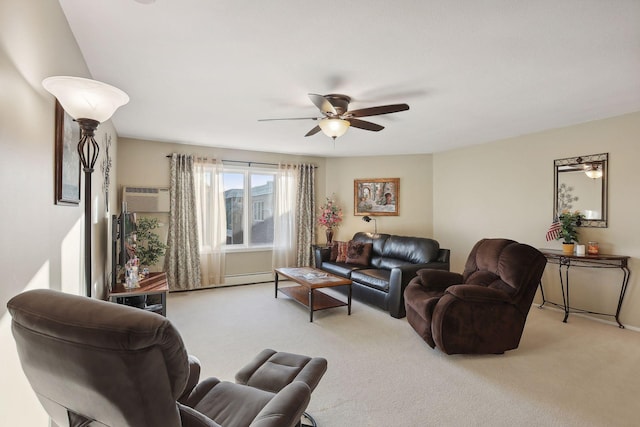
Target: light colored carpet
{"points": [[583, 373]]}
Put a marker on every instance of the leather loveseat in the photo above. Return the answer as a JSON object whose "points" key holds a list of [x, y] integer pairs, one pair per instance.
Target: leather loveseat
{"points": [[381, 266]]}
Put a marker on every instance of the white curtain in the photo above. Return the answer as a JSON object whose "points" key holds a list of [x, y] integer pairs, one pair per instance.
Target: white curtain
{"points": [[211, 220], [284, 224]]}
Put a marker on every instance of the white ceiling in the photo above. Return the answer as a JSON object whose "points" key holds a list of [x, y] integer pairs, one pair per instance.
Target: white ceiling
{"points": [[204, 71]]}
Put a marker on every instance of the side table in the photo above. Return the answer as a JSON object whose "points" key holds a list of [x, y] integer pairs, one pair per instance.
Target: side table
{"points": [[585, 261], [155, 284]]}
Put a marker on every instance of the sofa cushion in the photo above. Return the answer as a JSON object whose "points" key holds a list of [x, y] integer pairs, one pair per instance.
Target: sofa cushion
{"points": [[340, 269], [374, 278], [359, 253]]}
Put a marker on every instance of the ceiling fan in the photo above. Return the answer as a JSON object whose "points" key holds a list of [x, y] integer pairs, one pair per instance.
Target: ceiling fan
{"points": [[336, 117]]}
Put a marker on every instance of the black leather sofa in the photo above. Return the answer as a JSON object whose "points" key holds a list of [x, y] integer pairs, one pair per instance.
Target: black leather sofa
{"points": [[393, 262]]}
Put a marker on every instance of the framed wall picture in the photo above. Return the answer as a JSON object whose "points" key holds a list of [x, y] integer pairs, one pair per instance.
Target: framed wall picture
{"points": [[376, 196], [67, 158]]}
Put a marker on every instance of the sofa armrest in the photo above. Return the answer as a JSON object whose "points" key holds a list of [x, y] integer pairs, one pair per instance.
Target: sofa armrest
{"points": [[443, 256], [321, 254]]}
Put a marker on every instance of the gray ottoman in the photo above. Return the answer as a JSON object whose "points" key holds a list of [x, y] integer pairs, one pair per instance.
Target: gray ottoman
{"points": [[272, 370]]}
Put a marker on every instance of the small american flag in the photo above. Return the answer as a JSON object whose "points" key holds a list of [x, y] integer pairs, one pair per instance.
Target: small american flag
{"points": [[554, 230]]}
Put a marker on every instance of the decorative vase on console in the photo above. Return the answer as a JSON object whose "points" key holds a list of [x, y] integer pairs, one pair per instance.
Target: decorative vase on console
{"points": [[330, 217], [329, 233]]}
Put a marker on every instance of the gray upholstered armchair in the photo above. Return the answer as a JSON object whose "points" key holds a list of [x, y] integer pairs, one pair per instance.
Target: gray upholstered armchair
{"points": [[92, 362], [482, 310]]}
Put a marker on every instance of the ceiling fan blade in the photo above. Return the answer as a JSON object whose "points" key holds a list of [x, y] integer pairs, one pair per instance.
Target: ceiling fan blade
{"points": [[290, 118], [361, 124], [313, 131], [322, 103], [376, 111]]}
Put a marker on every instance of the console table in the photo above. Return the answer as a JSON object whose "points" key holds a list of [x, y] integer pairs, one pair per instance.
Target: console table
{"points": [[585, 261], [155, 284]]}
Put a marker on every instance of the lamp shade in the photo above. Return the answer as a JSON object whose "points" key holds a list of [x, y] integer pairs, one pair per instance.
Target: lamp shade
{"points": [[334, 128], [85, 98]]}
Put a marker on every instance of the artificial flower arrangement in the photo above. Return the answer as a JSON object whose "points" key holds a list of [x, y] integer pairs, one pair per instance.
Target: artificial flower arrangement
{"points": [[330, 214]]}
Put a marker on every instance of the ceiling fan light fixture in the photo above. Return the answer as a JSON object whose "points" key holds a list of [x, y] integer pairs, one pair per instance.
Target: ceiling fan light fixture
{"points": [[334, 128], [593, 170]]}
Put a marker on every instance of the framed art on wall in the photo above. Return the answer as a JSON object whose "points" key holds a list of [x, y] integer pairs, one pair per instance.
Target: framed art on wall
{"points": [[67, 158], [376, 196]]}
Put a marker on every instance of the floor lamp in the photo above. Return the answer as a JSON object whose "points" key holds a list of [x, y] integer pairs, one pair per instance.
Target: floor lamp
{"points": [[90, 103]]}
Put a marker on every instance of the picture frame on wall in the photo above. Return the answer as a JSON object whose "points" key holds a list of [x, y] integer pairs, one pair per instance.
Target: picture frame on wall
{"points": [[376, 196], [67, 158]]}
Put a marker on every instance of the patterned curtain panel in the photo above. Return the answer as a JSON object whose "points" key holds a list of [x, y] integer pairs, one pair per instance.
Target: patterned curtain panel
{"points": [[284, 223], [212, 220], [182, 260], [305, 214]]}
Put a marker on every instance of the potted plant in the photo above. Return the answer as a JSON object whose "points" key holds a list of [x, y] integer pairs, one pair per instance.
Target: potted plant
{"points": [[330, 217], [569, 223], [149, 247]]}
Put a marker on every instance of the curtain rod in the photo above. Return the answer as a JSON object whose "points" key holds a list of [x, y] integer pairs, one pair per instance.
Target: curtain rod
{"points": [[244, 161]]}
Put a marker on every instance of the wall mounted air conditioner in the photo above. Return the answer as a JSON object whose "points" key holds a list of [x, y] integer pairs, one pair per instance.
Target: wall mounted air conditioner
{"points": [[146, 199]]}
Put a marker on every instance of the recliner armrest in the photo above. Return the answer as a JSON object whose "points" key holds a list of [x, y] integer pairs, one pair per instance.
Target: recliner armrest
{"points": [[285, 408], [475, 293], [197, 394], [189, 417], [192, 381], [438, 279]]}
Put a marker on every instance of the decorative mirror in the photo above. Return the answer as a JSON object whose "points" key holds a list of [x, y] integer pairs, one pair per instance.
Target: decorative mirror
{"points": [[580, 184]]}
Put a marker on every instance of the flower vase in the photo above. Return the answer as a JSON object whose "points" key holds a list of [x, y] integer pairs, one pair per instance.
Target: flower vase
{"points": [[329, 236]]}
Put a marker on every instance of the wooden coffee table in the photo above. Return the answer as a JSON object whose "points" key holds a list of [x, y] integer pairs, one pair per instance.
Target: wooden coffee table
{"points": [[310, 280]]}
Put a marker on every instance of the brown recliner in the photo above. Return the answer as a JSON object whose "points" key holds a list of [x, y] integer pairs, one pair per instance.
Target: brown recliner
{"points": [[484, 309], [93, 362]]}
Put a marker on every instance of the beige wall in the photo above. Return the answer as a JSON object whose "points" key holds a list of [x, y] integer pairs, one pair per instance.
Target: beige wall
{"points": [[505, 189], [145, 163], [42, 243], [416, 189]]}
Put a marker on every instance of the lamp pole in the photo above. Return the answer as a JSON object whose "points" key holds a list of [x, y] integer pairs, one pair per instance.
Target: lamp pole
{"points": [[88, 149]]}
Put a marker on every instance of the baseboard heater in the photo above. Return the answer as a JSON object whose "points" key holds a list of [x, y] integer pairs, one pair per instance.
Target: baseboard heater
{"points": [[245, 279]]}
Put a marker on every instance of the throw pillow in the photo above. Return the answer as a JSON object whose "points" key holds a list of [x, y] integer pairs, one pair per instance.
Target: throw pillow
{"points": [[359, 253], [342, 251], [334, 252]]}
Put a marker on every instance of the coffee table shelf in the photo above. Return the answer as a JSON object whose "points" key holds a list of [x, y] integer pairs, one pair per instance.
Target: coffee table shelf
{"points": [[321, 301], [307, 293]]}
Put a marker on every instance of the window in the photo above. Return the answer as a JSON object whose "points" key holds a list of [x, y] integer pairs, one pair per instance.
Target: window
{"points": [[249, 198]]}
